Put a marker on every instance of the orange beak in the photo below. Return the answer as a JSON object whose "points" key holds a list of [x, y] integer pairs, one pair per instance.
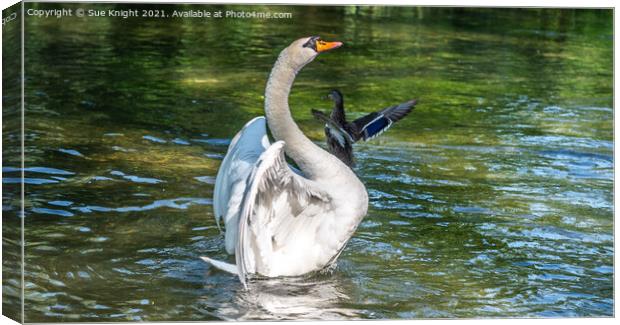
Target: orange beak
{"points": [[322, 46]]}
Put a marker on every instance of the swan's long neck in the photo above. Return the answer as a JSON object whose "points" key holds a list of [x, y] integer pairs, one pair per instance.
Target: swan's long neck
{"points": [[313, 161]]}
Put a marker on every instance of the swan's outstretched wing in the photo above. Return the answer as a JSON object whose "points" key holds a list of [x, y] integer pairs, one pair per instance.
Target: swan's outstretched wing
{"points": [[230, 184], [373, 124], [280, 218]]}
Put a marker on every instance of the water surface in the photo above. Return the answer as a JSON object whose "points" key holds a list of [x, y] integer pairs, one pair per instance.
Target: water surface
{"points": [[493, 198]]}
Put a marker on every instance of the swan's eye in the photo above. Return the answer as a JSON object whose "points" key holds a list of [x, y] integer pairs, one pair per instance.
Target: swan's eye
{"points": [[311, 43]]}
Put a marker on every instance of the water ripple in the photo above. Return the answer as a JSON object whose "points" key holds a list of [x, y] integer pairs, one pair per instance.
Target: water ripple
{"points": [[178, 203], [136, 179]]}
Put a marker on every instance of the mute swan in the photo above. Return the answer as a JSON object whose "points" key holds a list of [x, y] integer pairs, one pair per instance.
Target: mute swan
{"points": [[279, 223], [341, 134]]}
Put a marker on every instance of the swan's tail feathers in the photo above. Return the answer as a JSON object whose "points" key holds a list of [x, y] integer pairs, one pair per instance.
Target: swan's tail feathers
{"points": [[227, 267]]}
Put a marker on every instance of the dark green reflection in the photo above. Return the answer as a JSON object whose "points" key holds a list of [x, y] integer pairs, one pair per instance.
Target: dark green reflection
{"points": [[493, 198]]}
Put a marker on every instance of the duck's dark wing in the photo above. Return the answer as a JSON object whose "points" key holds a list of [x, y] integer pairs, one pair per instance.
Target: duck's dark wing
{"points": [[373, 124], [339, 141], [333, 129], [320, 115]]}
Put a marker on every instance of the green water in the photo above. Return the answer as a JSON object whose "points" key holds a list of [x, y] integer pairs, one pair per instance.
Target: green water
{"points": [[493, 198]]}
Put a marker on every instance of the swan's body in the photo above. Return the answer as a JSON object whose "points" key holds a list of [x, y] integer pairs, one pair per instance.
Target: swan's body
{"points": [[279, 223], [341, 134]]}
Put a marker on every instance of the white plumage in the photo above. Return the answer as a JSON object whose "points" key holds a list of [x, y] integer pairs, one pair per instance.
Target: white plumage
{"points": [[243, 152], [278, 222]]}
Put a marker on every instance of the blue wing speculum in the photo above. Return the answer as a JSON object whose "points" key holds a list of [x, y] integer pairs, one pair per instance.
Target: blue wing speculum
{"points": [[375, 127], [373, 124]]}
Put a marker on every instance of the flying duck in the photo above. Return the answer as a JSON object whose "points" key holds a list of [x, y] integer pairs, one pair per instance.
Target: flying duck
{"points": [[341, 134]]}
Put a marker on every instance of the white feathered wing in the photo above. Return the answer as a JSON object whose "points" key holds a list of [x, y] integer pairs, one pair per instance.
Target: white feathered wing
{"points": [[230, 184], [284, 221]]}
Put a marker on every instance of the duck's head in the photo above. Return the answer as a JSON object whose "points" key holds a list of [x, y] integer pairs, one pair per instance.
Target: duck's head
{"points": [[304, 50], [335, 95]]}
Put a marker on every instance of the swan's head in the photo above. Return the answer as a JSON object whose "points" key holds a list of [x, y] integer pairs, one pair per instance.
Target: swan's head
{"points": [[304, 50]]}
